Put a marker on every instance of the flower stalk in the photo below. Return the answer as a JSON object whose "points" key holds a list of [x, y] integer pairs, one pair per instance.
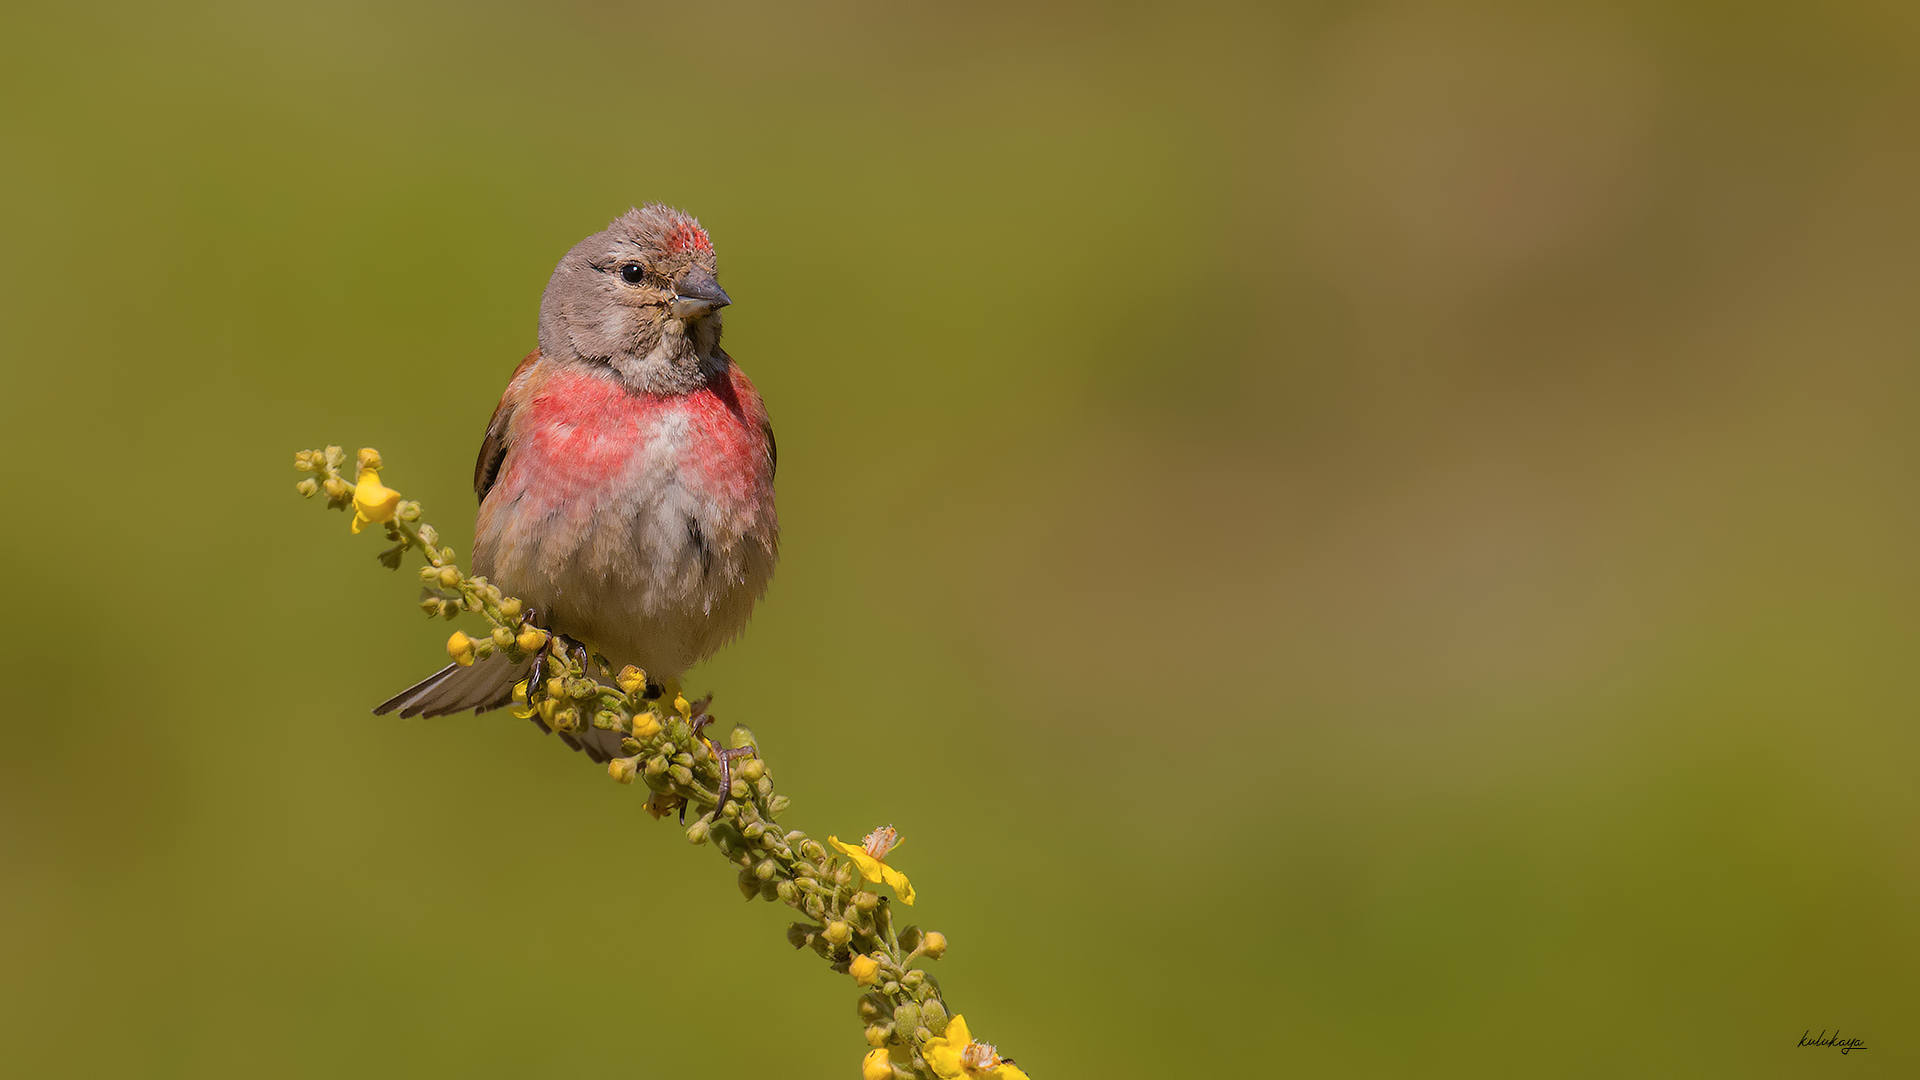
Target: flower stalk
{"points": [[735, 807]]}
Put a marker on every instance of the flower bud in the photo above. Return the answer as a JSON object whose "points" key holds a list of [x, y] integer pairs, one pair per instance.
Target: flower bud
{"points": [[337, 488], [510, 607], [878, 1034], [460, 647], [800, 935], [869, 1007], [303, 460], [622, 769], [934, 945], [308, 488], [630, 679], [448, 609], [864, 969], [754, 831], [502, 637], [778, 804], [334, 456], [656, 765], [749, 885], [843, 874], [913, 978], [865, 901], [752, 769], [877, 1065], [430, 606], [786, 891], [369, 458], [737, 790], [769, 891], [531, 638], [565, 721], [681, 774], [909, 938], [766, 870], [906, 1017], [740, 737], [839, 932], [697, 832], [646, 725], [934, 1015]]}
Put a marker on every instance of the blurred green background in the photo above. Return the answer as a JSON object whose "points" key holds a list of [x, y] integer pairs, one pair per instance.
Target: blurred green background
{"points": [[1352, 539]]}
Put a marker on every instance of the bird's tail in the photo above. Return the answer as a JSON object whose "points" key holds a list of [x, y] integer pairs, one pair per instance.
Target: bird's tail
{"points": [[487, 684]]}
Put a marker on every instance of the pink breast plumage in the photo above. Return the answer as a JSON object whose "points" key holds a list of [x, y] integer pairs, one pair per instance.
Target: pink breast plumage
{"points": [[579, 432]]}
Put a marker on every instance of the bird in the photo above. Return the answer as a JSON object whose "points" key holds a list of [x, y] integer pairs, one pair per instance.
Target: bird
{"points": [[626, 477]]}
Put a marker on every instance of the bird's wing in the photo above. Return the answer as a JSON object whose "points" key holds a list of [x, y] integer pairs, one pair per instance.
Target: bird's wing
{"points": [[493, 448]]}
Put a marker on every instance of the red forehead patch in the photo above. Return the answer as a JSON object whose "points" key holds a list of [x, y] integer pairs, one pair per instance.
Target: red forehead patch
{"points": [[686, 236]]}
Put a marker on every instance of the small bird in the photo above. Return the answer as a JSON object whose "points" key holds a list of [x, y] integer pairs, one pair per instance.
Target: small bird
{"points": [[626, 478]]}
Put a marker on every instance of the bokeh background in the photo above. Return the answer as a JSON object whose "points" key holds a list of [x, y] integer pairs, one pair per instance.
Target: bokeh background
{"points": [[1352, 539]]}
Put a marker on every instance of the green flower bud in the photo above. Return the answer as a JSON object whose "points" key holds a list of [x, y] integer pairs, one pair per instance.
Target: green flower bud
{"points": [[449, 576], [890, 988], [621, 769], [308, 488], [740, 736], [656, 765], [448, 609], [731, 811], [814, 906], [906, 1017], [429, 535], [786, 891], [752, 769], [737, 789], [800, 935], [502, 637], [303, 460], [510, 608], [934, 1015], [769, 891], [913, 978], [697, 832], [337, 488], [681, 774], [869, 1007], [565, 721], [877, 1035], [582, 689], [766, 869], [839, 932], [749, 885], [812, 851], [764, 786], [909, 938], [430, 606], [754, 831], [935, 945], [865, 901], [843, 874], [369, 458]]}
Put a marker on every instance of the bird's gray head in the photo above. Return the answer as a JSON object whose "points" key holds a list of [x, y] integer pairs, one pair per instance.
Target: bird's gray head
{"points": [[640, 298]]}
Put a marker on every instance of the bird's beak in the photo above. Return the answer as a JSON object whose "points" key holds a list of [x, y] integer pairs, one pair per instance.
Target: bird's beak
{"points": [[696, 293]]}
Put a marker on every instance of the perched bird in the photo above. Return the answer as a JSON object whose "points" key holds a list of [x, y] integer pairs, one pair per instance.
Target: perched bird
{"points": [[626, 478]]}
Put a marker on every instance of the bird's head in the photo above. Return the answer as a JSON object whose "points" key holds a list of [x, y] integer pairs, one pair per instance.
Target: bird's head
{"points": [[639, 297]]}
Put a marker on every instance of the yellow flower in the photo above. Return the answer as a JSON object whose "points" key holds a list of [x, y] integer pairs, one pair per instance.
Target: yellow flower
{"points": [[460, 647], [871, 858], [373, 502], [954, 1054], [864, 969]]}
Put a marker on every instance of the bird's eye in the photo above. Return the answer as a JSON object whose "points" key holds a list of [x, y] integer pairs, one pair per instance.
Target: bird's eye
{"points": [[631, 273]]}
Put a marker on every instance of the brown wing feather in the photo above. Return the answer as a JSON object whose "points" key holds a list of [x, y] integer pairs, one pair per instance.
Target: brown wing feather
{"points": [[493, 448]]}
